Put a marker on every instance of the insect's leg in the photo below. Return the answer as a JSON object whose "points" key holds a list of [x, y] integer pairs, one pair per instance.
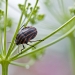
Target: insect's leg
{"points": [[23, 47], [10, 42], [22, 27], [31, 45], [18, 48], [36, 41]]}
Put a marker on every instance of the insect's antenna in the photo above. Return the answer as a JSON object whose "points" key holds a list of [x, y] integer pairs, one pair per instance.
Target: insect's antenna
{"points": [[10, 42], [21, 27], [23, 22]]}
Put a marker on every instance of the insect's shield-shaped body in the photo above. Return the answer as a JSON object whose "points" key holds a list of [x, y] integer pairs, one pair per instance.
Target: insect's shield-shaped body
{"points": [[25, 35]]}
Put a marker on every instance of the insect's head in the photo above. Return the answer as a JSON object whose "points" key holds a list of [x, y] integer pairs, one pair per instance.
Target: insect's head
{"points": [[17, 42]]}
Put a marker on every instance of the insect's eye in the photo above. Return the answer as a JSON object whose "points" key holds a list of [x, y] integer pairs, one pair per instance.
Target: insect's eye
{"points": [[16, 41]]}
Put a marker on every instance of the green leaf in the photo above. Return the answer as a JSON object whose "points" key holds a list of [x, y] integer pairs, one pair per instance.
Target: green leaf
{"points": [[28, 9], [9, 22], [40, 17], [21, 7], [1, 13]]}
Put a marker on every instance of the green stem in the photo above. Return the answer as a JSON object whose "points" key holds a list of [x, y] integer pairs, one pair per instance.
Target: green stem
{"points": [[12, 45], [54, 32], [19, 64], [72, 53], [4, 68], [5, 22], [29, 17], [0, 41], [62, 6], [51, 43], [24, 25], [31, 13], [26, 65]]}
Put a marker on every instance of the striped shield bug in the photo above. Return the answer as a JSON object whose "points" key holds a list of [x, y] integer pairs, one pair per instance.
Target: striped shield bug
{"points": [[25, 34]]}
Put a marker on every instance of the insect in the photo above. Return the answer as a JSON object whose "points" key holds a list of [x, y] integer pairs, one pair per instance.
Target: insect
{"points": [[25, 34]]}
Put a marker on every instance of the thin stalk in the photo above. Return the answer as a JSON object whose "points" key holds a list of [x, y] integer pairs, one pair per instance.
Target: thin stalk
{"points": [[61, 5], [72, 53], [12, 43], [54, 32], [16, 48], [0, 41], [31, 13], [29, 17], [4, 68], [0, 56], [53, 42], [54, 13], [25, 65], [5, 23], [18, 64]]}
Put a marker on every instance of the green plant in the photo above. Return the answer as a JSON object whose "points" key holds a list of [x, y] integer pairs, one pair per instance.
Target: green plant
{"points": [[62, 11], [6, 58]]}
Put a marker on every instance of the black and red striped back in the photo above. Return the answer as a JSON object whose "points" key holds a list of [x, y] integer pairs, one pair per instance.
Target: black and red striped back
{"points": [[25, 35]]}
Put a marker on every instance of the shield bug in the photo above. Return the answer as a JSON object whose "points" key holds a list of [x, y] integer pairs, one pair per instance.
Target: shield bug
{"points": [[25, 34]]}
